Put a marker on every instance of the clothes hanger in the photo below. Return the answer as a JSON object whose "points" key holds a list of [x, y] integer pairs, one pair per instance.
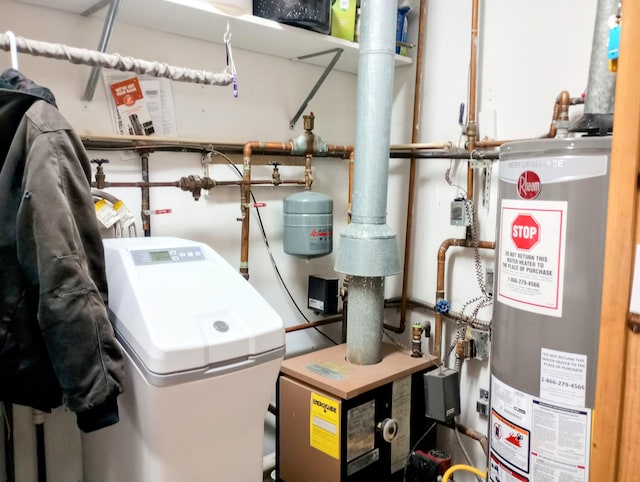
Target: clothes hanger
{"points": [[13, 48]]}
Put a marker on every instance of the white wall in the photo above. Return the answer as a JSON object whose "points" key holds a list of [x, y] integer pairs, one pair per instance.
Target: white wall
{"points": [[529, 52]]}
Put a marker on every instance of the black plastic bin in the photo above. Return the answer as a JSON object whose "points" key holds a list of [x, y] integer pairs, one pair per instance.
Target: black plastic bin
{"points": [[310, 14]]}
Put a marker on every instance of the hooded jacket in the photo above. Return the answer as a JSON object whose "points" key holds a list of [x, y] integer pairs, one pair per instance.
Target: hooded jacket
{"points": [[57, 344]]}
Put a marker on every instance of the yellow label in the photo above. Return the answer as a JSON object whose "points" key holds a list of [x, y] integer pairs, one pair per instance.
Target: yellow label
{"points": [[324, 425], [100, 204]]}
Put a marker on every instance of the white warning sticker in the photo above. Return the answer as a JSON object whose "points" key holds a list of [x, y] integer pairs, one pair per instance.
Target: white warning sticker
{"points": [[560, 443], [510, 441], [531, 257], [563, 377]]}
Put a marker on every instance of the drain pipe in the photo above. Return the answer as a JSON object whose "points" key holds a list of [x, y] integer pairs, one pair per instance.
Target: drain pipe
{"points": [[368, 249], [598, 104]]}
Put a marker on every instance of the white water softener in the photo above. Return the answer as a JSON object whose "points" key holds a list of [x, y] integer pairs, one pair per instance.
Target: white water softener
{"points": [[202, 354]]}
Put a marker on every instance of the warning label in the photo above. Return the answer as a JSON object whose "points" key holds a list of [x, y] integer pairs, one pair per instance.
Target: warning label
{"points": [[499, 472], [324, 424], [531, 257], [510, 441]]}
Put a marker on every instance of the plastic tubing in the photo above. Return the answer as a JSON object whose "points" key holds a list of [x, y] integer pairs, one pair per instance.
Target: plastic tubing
{"points": [[468, 468]]}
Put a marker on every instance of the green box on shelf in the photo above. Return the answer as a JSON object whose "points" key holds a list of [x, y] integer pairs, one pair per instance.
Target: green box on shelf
{"points": [[343, 19]]}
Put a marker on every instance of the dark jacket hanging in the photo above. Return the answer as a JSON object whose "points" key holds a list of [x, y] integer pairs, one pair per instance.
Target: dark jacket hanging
{"points": [[57, 344]]}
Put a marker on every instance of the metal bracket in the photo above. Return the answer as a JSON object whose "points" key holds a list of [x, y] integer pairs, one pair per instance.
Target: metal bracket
{"points": [[486, 165], [104, 42], [338, 53]]}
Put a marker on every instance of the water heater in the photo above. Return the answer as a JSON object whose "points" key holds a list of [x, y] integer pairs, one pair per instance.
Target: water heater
{"points": [[549, 268]]}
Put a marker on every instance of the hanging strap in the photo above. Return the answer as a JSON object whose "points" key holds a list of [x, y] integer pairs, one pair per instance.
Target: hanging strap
{"points": [[230, 63], [116, 62]]}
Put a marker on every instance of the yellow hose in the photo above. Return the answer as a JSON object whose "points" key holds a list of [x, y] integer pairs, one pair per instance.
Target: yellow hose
{"points": [[468, 468]]}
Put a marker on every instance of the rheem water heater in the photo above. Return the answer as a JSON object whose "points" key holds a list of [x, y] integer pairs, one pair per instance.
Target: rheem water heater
{"points": [[549, 265]]}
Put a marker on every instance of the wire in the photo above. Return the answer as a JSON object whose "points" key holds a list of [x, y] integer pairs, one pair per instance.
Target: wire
{"points": [[464, 451], [271, 257], [404, 474], [395, 341]]}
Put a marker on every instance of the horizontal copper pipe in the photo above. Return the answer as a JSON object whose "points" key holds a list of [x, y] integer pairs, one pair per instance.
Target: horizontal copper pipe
{"points": [[305, 326], [475, 435], [560, 113], [140, 184]]}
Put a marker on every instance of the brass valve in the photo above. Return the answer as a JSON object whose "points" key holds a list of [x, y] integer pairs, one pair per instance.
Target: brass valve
{"points": [[195, 185], [100, 175]]}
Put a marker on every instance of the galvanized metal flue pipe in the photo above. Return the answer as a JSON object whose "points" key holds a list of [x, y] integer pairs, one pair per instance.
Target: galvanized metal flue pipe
{"points": [[601, 86], [368, 250], [442, 258]]}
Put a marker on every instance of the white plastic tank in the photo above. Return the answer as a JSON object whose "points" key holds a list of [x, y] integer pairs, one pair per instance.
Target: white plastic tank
{"points": [[549, 268], [202, 354]]}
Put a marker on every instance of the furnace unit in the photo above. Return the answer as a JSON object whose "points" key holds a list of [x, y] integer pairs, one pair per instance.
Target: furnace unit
{"points": [[352, 423]]}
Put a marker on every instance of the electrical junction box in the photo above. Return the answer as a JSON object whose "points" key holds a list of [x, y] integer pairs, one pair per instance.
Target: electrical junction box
{"points": [[442, 394], [460, 212], [341, 422], [323, 295]]}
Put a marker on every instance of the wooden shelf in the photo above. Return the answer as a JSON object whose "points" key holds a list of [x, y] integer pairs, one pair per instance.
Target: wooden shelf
{"points": [[202, 20]]}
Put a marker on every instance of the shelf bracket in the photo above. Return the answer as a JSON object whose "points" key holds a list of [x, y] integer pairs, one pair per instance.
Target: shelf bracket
{"points": [[104, 42], [338, 53]]}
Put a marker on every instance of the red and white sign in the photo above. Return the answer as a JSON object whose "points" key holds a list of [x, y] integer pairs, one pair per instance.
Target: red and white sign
{"points": [[531, 258], [525, 231], [529, 185]]}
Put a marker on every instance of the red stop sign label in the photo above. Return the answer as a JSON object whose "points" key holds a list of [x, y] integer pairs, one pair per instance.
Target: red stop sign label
{"points": [[525, 231]]}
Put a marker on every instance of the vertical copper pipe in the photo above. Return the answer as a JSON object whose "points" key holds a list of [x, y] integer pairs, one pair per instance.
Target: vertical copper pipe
{"points": [[415, 137], [442, 258], [472, 128], [245, 194], [144, 191]]}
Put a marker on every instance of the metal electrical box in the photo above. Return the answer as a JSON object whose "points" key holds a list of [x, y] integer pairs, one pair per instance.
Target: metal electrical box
{"points": [[340, 422]]}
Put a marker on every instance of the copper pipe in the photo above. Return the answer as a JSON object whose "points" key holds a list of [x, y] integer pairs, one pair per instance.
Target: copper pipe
{"points": [[473, 64], [312, 324], [258, 182], [341, 151], [560, 113], [475, 435], [144, 193], [245, 195], [254, 182], [139, 184], [416, 304], [415, 136], [489, 143], [442, 257], [472, 128], [419, 146]]}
